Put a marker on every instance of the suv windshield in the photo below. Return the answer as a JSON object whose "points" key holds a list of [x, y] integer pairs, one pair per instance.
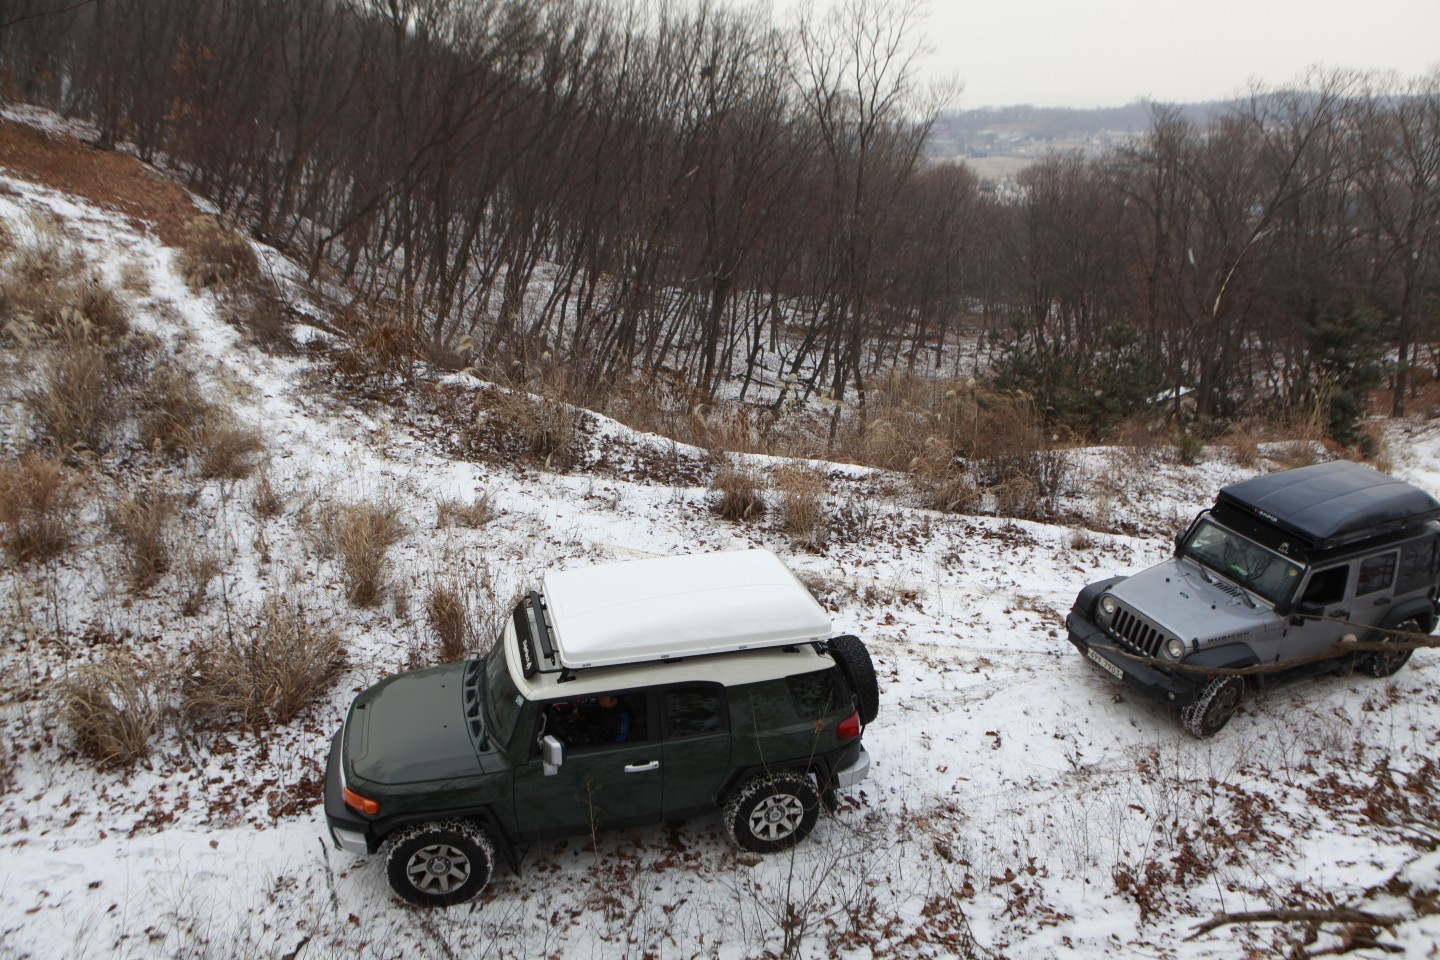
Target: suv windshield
{"points": [[501, 692], [1257, 568]]}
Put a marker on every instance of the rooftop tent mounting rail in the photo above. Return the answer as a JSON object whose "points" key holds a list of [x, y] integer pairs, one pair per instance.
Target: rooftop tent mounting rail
{"points": [[537, 603]]}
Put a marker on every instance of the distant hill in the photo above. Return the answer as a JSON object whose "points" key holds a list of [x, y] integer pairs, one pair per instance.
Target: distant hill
{"points": [[1026, 132]]}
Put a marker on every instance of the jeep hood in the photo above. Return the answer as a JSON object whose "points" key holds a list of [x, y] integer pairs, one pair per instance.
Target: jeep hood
{"points": [[411, 728], [1176, 597]]}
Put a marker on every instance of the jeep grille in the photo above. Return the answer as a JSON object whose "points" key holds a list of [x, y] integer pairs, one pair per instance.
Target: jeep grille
{"points": [[1136, 634]]}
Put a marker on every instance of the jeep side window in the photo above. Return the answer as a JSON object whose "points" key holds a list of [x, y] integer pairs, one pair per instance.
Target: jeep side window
{"points": [[1327, 586], [1417, 566], [694, 711], [815, 693], [1376, 574]]}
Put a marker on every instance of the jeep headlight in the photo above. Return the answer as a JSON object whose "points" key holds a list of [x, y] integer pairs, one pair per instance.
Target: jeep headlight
{"points": [[1174, 648], [1107, 605]]}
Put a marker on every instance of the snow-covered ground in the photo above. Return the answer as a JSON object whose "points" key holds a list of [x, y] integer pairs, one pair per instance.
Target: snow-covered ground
{"points": [[1018, 803]]}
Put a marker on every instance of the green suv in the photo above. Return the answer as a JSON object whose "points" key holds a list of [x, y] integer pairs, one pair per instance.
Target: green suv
{"points": [[622, 694]]}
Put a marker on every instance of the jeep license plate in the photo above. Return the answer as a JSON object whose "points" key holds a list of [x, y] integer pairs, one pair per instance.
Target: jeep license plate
{"points": [[1110, 668]]}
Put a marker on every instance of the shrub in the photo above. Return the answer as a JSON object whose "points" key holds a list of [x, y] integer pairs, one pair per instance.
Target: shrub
{"points": [[445, 611], [545, 429], [172, 408], [274, 670], [360, 535], [265, 499], [199, 569], [226, 451], [380, 349], [111, 707], [74, 396], [38, 507], [457, 513], [739, 490], [802, 490], [216, 255], [141, 519]]}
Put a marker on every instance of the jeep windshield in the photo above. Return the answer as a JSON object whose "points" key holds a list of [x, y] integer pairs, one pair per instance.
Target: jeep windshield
{"points": [[501, 693], [1258, 569]]}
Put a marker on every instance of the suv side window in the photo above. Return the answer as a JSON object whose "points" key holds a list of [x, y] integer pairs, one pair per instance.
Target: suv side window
{"points": [[694, 711], [1327, 586], [1376, 574], [601, 720], [815, 693], [1417, 566]]}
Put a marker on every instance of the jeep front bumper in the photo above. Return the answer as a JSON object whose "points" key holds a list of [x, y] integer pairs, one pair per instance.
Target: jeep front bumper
{"points": [[1095, 644]]}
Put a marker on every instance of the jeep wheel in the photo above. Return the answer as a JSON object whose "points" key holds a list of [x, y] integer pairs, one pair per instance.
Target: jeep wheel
{"points": [[773, 812], [1385, 663], [1214, 707], [859, 670], [441, 863]]}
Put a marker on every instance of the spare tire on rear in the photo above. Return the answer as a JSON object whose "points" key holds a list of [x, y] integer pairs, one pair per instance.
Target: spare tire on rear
{"points": [[859, 671]]}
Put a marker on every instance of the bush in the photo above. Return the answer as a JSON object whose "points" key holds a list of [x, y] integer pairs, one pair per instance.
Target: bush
{"points": [[360, 535], [457, 513], [802, 491], [38, 507], [141, 519], [74, 397], [265, 499], [226, 451], [445, 611], [216, 255], [278, 667], [739, 492], [111, 707]]}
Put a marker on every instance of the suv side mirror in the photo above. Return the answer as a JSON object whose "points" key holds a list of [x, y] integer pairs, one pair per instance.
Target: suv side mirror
{"points": [[552, 755], [1307, 610]]}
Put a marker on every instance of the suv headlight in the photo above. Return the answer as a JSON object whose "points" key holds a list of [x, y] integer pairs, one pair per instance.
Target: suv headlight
{"points": [[1107, 605], [1175, 648]]}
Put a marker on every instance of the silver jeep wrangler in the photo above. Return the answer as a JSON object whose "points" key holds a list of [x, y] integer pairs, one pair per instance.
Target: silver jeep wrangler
{"points": [[1288, 575]]}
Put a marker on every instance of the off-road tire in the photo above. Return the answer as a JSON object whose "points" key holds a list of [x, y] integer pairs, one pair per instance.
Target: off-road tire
{"points": [[859, 670], [1387, 663], [773, 811], [1214, 707], [440, 863]]}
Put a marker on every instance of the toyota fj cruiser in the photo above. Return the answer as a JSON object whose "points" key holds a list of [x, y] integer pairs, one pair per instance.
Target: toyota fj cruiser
{"points": [[1291, 574], [622, 694]]}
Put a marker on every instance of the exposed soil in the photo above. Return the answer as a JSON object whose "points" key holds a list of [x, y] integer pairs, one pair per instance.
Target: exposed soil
{"points": [[106, 177]]}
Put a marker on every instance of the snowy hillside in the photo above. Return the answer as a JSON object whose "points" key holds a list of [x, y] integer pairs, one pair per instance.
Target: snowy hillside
{"points": [[1019, 804]]}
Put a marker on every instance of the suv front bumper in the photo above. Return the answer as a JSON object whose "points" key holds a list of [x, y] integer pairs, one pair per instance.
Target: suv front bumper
{"points": [[1093, 642], [347, 831]]}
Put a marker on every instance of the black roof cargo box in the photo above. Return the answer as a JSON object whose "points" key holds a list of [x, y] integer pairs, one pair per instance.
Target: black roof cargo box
{"points": [[1330, 504]]}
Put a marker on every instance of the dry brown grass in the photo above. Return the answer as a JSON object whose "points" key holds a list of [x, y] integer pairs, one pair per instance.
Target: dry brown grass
{"points": [[739, 491], [457, 513], [360, 535], [74, 395], [39, 504], [225, 450], [111, 707], [802, 489], [172, 409], [1243, 446], [266, 499], [46, 285], [447, 614], [546, 429], [381, 347], [200, 567], [277, 668], [141, 519], [215, 254]]}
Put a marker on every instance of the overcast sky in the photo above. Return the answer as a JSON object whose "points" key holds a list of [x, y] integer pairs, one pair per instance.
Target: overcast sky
{"points": [[1089, 53]]}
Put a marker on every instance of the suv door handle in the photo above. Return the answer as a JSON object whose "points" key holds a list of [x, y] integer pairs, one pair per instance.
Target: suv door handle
{"points": [[1382, 601], [1339, 614], [642, 767]]}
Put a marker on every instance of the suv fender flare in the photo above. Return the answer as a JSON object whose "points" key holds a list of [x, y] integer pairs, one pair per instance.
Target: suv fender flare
{"points": [[1421, 608], [1231, 655], [485, 816], [1087, 598]]}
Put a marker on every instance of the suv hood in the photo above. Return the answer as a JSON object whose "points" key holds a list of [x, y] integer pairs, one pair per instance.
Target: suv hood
{"points": [[1175, 596], [411, 728]]}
